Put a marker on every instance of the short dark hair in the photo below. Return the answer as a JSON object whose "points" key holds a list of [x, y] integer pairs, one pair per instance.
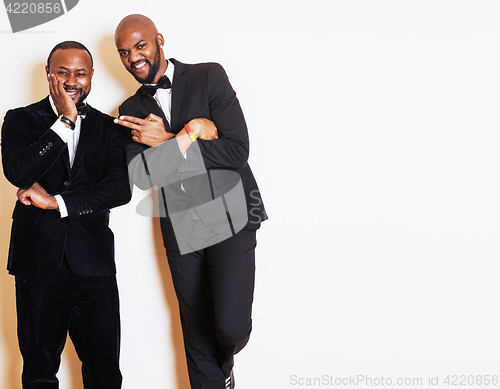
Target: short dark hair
{"points": [[69, 45]]}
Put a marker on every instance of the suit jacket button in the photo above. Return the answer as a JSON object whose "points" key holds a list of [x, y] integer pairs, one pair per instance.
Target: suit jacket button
{"points": [[41, 152], [66, 183]]}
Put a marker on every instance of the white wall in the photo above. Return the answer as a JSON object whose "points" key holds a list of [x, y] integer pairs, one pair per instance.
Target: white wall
{"points": [[374, 128]]}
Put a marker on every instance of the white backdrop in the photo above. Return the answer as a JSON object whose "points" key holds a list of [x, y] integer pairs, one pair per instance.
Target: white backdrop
{"points": [[374, 130]]}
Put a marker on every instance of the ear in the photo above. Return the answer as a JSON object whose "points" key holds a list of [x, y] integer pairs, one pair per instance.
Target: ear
{"points": [[47, 70], [160, 39]]}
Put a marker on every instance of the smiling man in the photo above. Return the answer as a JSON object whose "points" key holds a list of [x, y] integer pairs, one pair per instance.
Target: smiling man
{"points": [[213, 207], [68, 161]]}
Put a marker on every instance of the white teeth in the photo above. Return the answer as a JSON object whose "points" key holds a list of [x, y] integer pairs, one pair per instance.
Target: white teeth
{"points": [[140, 65]]}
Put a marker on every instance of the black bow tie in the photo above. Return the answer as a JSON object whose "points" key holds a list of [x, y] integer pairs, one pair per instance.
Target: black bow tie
{"points": [[164, 83], [81, 108]]}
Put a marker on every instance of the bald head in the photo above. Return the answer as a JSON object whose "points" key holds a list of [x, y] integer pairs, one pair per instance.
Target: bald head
{"points": [[140, 47], [136, 21]]}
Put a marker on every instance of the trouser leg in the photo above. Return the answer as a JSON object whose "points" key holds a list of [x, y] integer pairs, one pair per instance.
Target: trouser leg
{"points": [[232, 272], [95, 331], [44, 306], [214, 287]]}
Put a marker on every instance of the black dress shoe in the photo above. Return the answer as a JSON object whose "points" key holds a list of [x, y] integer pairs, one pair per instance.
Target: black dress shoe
{"points": [[230, 381]]}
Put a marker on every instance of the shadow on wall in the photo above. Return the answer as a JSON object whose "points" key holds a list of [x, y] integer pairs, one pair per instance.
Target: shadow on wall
{"points": [[8, 322], [111, 60], [109, 57]]}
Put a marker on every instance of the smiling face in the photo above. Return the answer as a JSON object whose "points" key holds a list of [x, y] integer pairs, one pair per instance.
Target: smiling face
{"points": [[73, 68], [138, 44]]}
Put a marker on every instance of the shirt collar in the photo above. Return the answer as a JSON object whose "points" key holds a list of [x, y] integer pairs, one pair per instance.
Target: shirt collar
{"points": [[169, 72], [55, 109]]}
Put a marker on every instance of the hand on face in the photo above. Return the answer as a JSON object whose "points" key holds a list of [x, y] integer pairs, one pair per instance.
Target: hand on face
{"points": [[149, 131], [62, 100], [69, 74]]}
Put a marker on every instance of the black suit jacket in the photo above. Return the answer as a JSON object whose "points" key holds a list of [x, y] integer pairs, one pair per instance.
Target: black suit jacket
{"points": [[198, 91], [97, 181]]}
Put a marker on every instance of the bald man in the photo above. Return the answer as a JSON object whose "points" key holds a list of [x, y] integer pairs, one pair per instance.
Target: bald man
{"points": [[212, 205]]}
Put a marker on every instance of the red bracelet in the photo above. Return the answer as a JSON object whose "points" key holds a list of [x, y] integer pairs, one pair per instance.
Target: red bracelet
{"points": [[193, 138]]}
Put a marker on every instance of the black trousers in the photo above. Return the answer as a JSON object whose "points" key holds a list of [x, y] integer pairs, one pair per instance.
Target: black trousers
{"points": [[87, 307], [214, 287]]}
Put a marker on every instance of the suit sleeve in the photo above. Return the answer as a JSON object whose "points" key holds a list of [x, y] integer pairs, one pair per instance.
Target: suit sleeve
{"points": [[111, 191], [231, 149], [150, 166], [154, 166], [26, 159]]}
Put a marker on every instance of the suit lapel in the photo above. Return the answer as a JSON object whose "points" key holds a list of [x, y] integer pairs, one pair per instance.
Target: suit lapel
{"points": [[89, 127], [152, 106], [178, 87], [44, 109]]}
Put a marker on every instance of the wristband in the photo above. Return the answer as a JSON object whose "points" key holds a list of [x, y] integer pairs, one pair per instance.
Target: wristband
{"points": [[193, 138], [64, 119]]}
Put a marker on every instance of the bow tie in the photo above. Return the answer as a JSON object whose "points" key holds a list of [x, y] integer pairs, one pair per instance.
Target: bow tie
{"points": [[164, 83], [82, 109]]}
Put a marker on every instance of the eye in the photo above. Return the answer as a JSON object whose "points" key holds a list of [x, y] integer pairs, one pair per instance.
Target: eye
{"points": [[62, 73], [141, 46], [123, 54]]}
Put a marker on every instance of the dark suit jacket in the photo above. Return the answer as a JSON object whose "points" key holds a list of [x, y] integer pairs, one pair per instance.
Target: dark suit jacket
{"points": [[198, 91], [97, 181]]}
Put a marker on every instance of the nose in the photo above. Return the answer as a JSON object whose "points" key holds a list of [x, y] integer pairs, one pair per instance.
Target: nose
{"points": [[134, 56], [71, 80]]}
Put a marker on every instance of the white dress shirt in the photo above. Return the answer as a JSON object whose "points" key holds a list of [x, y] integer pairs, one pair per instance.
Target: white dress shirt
{"points": [[71, 137], [164, 96]]}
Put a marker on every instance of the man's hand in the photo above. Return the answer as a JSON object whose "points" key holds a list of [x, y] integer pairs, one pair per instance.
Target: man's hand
{"points": [[149, 131], [64, 104], [37, 196], [203, 129]]}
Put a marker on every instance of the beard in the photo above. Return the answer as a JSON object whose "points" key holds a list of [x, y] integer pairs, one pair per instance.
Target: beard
{"points": [[153, 68], [83, 94]]}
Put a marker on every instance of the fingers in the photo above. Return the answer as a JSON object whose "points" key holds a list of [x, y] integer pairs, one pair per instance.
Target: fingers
{"points": [[54, 92], [25, 200], [130, 119], [133, 123], [64, 104], [153, 118], [136, 135], [23, 196], [56, 88], [130, 122]]}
